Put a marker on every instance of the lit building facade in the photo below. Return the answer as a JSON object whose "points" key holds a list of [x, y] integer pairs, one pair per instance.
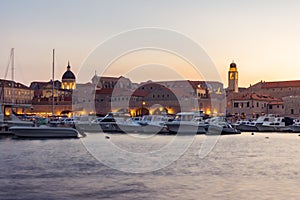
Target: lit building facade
{"points": [[14, 96], [168, 97]]}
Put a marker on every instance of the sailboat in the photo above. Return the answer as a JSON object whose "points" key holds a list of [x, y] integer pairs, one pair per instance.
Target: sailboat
{"points": [[5, 124], [45, 131]]}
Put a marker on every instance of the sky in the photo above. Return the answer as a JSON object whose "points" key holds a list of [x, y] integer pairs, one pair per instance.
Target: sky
{"points": [[261, 36]]}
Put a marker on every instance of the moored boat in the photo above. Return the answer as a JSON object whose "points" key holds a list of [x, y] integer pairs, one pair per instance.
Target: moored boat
{"points": [[247, 126], [187, 123], [221, 128], [276, 124], [154, 124], [44, 132]]}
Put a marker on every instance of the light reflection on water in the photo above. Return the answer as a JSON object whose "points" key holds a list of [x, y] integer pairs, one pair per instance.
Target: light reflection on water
{"points": [[239, 167]]}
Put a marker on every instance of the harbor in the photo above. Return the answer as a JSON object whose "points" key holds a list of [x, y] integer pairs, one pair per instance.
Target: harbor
{"points": [[241, 166], [149, 100]]}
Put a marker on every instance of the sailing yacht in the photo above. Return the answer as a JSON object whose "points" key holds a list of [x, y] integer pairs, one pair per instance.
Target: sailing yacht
{"points": [[45, 131], [5, 121]]}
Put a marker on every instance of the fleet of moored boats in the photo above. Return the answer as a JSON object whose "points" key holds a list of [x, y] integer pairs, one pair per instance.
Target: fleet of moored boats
{"points": [[184, 123]]}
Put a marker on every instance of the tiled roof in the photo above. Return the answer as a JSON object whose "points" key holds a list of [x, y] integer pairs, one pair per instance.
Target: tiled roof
{"points": [[8, 83], [276, 103], [281, 84], [254, 96]]}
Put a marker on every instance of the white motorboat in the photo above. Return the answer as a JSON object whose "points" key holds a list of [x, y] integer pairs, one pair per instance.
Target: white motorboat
{"points": [[276, 124], [44, 132], [89, 125], [221, 128], [110, 122], [187, 123], [13, 121], [247, 126], [129, 125], [154, 124], [265, 119], [295, 127]]}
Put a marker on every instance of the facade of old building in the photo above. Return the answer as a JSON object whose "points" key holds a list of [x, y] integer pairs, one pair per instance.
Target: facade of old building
{"points": [[14, 95], [168, 97], [252, 105]]}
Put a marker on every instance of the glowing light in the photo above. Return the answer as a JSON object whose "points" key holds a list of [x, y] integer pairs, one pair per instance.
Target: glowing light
{"points": [[170, 111], [208, 111]]}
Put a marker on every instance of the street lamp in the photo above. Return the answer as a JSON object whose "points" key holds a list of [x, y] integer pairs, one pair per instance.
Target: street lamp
{"points": [[143, 103]]}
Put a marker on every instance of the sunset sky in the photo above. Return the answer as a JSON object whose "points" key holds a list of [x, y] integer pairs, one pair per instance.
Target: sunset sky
{"points": [[261, 36]]}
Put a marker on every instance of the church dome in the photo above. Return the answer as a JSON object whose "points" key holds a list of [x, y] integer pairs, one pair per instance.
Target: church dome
{"points": [[232, 65], [68, 74]]}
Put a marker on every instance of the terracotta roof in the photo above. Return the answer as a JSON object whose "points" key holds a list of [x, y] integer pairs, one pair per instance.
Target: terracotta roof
{"points": [[276, 103], [254, 96], [281, 84]]}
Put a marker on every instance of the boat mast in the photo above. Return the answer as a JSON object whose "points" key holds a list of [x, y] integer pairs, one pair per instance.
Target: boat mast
{"points": [[53, 83], [12, 76]]}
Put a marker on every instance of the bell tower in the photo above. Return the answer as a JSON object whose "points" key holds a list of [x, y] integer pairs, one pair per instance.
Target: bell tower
{"points": [[233, 78]]}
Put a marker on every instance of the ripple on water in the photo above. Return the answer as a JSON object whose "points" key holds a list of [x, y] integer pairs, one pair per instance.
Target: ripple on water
{"points": [[239, 167]]}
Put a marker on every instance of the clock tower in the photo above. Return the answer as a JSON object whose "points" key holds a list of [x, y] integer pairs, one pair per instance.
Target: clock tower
{"points": [[233, 78]]}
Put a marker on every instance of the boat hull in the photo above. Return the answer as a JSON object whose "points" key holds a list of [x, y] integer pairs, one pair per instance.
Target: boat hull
{"points": [[247, 128], [295, 128], [44, 132], [186, 128], [219, 130]]}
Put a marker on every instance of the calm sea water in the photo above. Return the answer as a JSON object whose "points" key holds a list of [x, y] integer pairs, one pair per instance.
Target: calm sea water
{"points": [[239, 167]]}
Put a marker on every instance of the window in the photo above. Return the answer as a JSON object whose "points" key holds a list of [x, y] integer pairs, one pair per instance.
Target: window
{"points": [[236, 105], [270, 107], [292, 111], [248, 104], [257, 104]]}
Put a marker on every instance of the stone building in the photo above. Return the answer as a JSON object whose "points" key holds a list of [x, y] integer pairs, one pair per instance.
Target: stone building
{"points": [[42, 99], [14, 95], [111, 82], [278, 89], [252, 105], [292, 106], [168, 97]]}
